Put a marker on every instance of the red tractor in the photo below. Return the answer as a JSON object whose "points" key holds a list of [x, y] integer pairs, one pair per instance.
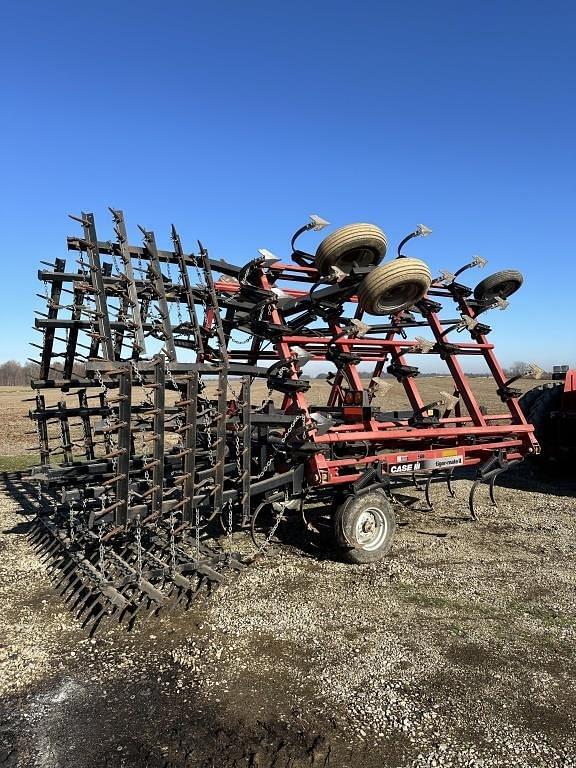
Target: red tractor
{"points": [[551, 408]]}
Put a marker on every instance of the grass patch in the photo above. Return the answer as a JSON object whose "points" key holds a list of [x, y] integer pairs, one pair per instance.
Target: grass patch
{"points": [[15, 463]]}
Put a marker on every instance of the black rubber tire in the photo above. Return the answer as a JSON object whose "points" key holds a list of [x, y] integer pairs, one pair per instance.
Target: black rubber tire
{"points": [[363, 244], [548, 400], [394, 286], [527, 400], [500, 284], [350, 519]]}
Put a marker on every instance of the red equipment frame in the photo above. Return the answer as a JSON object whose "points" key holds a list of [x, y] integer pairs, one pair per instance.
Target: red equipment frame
{"points": [[398, 446]]}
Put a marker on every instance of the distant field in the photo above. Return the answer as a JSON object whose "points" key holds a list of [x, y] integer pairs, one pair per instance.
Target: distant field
{"points": [[14, 423]]}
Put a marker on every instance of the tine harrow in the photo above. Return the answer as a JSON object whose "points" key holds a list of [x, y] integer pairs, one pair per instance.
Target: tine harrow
{"points": [[155, 445]]}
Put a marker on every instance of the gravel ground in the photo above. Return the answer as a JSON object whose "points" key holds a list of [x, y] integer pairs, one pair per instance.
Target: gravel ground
{"points": [[458, 650]]}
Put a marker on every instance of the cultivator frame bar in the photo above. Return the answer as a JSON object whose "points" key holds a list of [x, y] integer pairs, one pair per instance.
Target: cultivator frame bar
{"points": [[162, 450]]}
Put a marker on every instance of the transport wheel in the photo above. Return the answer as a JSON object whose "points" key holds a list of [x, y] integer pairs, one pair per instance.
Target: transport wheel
{"points": [[500, 284], [394, 286], [363, 244], [364, 526]]}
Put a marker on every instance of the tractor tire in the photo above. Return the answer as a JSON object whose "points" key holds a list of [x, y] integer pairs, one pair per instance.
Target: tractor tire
{"points": [[527, 400], [395, 286], [361, 244], [548, 400], [364, 527], [499, 285]]}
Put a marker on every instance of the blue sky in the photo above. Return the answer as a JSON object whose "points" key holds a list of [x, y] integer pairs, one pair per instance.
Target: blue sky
{"points": [[236, 120]]}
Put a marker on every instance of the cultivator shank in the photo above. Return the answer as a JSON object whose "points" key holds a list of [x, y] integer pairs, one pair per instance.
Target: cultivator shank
{"points": [[153, 448]]}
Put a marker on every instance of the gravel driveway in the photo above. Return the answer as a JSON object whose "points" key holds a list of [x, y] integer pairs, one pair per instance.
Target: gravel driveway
{"points": [[458, 650]]}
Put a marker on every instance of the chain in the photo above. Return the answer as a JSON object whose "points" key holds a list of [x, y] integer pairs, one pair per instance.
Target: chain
{"points": [[199, 275], [144, 455], [229, 529], [201, 284], [116, 267], [38, 433], [101, 546], [272, 530], [170, 375], [142, 384], [179, 433], [71, 522], [62, 435], [138, 549], [83, 264], [111, 443], [168, 269], [208, 426], [197, 532], [172, 543], [270, 461], [229, 525], [237, 445], [39, 492]]}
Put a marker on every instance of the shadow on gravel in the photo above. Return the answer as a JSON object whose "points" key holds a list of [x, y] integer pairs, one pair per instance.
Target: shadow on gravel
{"points": [[141, 723], [534, 477]]}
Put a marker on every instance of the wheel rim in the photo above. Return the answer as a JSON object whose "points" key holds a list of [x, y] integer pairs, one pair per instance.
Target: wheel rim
{"points": [[406, 293], [506, 288], [364, 257], [370, 529]]}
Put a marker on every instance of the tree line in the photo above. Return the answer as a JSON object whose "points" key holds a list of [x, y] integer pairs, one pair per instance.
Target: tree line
{"points": [[15, 374]]}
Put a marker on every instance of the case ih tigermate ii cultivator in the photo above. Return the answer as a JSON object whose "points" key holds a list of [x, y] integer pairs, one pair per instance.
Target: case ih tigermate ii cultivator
{"points": [[155, 443]]}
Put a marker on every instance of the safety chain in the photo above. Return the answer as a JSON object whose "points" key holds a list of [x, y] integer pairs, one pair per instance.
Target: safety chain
{"points": [[272, 530], [283, 441]]}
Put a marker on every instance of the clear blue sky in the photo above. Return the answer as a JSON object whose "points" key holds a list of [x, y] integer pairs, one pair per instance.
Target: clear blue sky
{"points": [[235, 120]]}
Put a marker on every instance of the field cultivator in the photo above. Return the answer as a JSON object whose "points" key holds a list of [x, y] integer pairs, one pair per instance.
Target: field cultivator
{"points": [[154, 449]]}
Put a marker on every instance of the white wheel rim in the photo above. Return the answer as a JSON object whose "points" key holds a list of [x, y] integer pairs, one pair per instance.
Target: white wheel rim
{"points": [[370, 529]]}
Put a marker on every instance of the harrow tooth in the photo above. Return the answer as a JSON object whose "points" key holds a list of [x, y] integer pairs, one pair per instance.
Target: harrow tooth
{"points": [[83, 594], [491, 487], [86, 609], [451, 491], [427, 491], [70, 582]]}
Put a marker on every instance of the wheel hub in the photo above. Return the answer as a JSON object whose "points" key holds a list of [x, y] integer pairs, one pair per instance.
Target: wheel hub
{"points": [[370, 529]]}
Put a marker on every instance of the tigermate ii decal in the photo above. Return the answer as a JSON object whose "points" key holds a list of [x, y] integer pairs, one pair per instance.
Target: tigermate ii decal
{"points": [[445, 462]]}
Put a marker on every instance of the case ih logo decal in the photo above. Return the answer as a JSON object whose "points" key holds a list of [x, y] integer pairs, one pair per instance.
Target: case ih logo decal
{"points": [[444, 462]]}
